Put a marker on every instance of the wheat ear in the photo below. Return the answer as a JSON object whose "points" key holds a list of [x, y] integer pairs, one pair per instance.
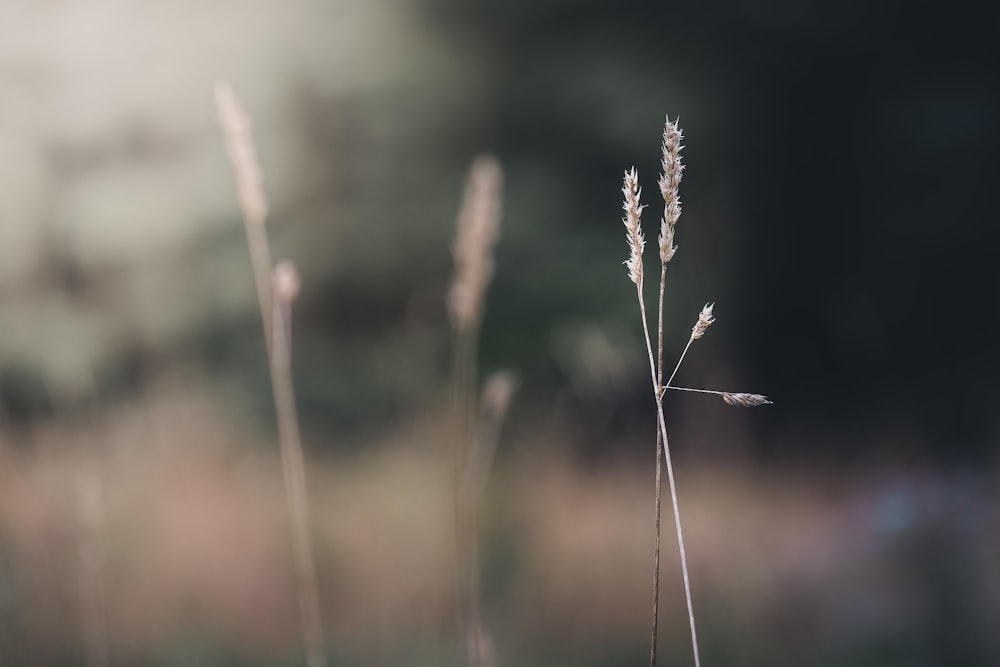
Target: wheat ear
{"points": [[277, 287]]}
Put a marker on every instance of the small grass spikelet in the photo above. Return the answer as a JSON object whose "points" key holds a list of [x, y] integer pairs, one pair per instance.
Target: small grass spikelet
{"points": [[633, 228], [670, 181], [478, 229], [744, 400], [705, 320], [237, 130]]}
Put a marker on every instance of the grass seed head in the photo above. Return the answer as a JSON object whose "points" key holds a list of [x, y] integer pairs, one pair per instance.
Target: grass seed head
{"points": [[670, 181], [705, 320], [238, 132], [286, 281], [633, 228], [745, 400], [475, 238]]}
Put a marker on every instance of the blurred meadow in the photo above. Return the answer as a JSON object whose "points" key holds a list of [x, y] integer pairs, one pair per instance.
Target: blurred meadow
{"points": [[839, 210]]}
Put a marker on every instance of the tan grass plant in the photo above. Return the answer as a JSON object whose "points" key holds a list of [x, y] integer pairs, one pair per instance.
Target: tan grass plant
{"points": [[669, 183], [672, 170], [477, 230], [237, 131], [277, 287]]}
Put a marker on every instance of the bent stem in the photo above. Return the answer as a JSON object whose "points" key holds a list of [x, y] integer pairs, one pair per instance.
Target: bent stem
{"points": [[658, 393]]}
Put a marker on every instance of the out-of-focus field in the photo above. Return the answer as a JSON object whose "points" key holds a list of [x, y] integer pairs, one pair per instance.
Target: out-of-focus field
{"points": [[160, 525]]}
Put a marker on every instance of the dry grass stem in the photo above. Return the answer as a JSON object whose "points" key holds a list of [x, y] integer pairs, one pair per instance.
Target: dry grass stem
{"points": [[496, 396], [669, 182], [277, 288], [90, 505], [478, 229], [285, 286], [237, 131], [705, 320], [633, 210], [654, 632]]}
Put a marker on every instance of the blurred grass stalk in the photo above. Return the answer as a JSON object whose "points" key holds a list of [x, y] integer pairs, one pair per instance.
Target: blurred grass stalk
{"points": [[478, 227], [277, 287], [91, 557]]}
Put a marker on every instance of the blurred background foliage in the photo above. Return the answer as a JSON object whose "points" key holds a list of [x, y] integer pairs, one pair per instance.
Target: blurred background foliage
{"points": [[838, 208]]}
